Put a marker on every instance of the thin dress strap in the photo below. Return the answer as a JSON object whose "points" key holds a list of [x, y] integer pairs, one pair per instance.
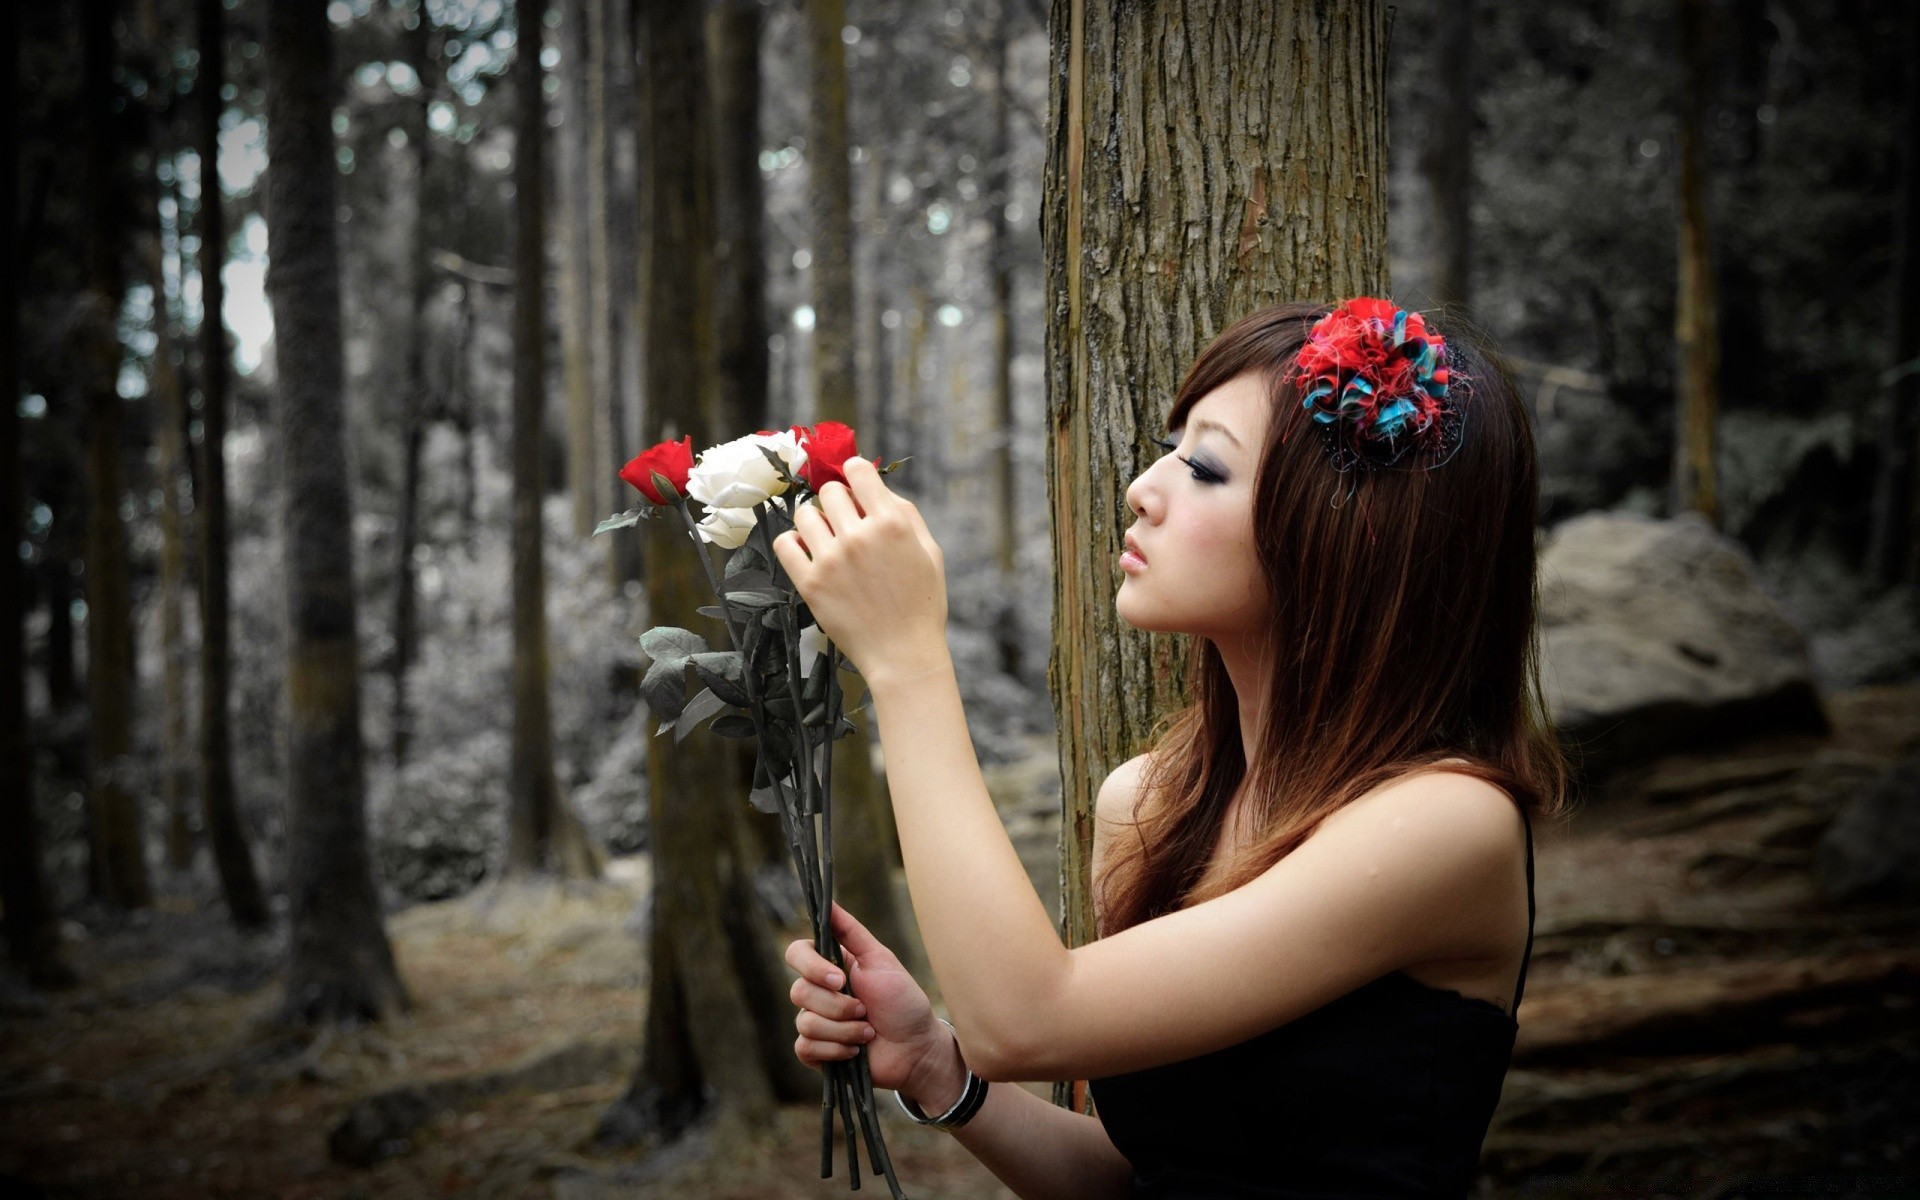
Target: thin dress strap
{"points": [[1526, 956]]}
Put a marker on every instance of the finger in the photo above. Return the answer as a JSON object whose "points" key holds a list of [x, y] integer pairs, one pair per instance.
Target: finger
{"points": [[802, 957], [820, 1029], [854, 936], [828, 1003], [814, 1053], [792, 553], [864, 479], [810, 524], [838, 502]]}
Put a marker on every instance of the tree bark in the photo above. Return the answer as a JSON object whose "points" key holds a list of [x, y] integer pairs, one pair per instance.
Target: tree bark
{"points": [[1696, 317], [118, 864], [712, 1004], [1893, 549], [414, 405], [340, 966], [543, 833], [1447, 157], [219, 808], [866, 849], [32, 927], [1274, 189], [584, 461]]}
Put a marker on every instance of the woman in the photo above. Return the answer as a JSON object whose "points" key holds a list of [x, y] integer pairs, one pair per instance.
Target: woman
{"points": [[1311, 949]]}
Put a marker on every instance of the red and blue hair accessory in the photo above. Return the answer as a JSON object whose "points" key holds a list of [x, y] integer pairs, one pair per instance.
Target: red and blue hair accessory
{"points": [[1375, 382]]}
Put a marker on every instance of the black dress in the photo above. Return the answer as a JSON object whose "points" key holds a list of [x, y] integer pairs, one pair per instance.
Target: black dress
{"points": [[1385, 1091]]}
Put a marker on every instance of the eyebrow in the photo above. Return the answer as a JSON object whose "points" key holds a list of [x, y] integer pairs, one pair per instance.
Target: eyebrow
{"points": [[1203, 423]]}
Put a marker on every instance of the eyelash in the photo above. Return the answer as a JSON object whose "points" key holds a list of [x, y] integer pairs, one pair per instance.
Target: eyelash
{"points": [[1200, 473]]}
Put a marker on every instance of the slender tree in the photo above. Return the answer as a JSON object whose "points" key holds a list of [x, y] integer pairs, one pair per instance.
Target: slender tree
{"points": [[1295, 204], [219, 808], [739, 272], [118, 864], [1446, 157], [1004, 481], [32, 929], [416, 407], [716, 1037], [1696, 315], [1893, 545], [543, 833], [585, 464], [865, 846], [340, 965]]}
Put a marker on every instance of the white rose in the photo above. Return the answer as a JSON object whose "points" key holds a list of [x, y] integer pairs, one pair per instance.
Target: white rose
{"points": [[727, 528], [737, 474]]}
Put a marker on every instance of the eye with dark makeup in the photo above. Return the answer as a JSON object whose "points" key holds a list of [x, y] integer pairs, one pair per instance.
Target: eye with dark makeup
{"points": [[1201, 471]]}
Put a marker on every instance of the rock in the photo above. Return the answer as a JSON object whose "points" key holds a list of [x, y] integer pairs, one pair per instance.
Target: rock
{"points": [[1871, 851], [1657, 636], [1591, 448]]}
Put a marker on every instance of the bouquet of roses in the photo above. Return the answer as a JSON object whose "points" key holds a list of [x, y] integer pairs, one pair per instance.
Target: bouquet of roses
{"points": [[777, 681]]}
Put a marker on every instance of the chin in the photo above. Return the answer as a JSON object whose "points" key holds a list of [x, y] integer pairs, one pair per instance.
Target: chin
{"points": [[1130, 614]]}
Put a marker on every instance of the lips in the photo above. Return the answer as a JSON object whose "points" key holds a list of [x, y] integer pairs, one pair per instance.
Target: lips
{"points": [[1135, 548]]}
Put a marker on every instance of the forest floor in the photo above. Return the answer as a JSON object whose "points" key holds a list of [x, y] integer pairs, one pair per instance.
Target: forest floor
{"points": [[1695, 1016]]}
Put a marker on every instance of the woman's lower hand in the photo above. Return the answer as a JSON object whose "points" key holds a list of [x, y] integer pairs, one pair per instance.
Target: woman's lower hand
{"points": [[886, 1012]]}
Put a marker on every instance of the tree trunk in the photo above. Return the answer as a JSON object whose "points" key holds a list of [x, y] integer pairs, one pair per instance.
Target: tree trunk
{"points": [[1893, 550], [219, 808], [422, 52], [1153, 244], [340, 967], [176, 738], [866, 849], [739, 277], [1004, 482], [32, 928], [713, 998], [1447, 157], [584, 460], [543, 833], [118, 866], [604, 345], [1696, 319]]}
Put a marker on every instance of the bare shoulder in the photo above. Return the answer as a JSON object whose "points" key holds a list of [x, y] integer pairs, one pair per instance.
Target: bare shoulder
{"points": [[1114, 806]]}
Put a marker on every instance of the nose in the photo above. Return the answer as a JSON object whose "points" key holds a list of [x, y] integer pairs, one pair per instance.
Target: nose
{"points": [[1143, 498]]}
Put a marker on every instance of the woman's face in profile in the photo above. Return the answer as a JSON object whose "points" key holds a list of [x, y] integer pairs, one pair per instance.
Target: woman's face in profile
{"points": [[1196, 570]]}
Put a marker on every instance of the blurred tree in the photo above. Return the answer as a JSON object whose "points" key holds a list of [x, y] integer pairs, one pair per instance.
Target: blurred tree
{"points": [[219, 808], [739, 267], [866, 846], [340, 965], [1893, 553], [610, 285], [717, 1019], [32, 926], [165, 385], [1004, 438], [585, 463], [416, 407], [1136, 287], [544, 835], [118, 865], [1446, 155], [1696, 315]]}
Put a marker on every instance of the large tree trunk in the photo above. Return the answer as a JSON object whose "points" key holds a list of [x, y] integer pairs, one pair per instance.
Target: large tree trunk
{"points": [[1696, 318], [33, 932], [866, 848], [219, 809], [1154, 244], [340, 967], [1446, 158], [1893, 550], [543, 833], [713, 1015], [585, 464], [422, 53], [118, 865]]}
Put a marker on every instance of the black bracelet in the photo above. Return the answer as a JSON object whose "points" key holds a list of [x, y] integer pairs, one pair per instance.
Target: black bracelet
{"points": [[972, 1096]]}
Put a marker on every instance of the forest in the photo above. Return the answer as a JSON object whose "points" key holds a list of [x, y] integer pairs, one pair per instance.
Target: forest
{"points": [[338, 854]]}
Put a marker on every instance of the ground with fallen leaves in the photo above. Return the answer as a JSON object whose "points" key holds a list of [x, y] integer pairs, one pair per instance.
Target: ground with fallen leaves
{"points": [[1695, 1016]]}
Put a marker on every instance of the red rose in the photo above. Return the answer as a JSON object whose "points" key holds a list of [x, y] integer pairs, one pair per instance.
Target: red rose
{"points": [[674, 460], [829, 445]]}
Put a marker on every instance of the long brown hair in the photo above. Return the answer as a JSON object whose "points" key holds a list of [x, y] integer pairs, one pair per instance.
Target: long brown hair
{"points": [[1403, 605]]}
